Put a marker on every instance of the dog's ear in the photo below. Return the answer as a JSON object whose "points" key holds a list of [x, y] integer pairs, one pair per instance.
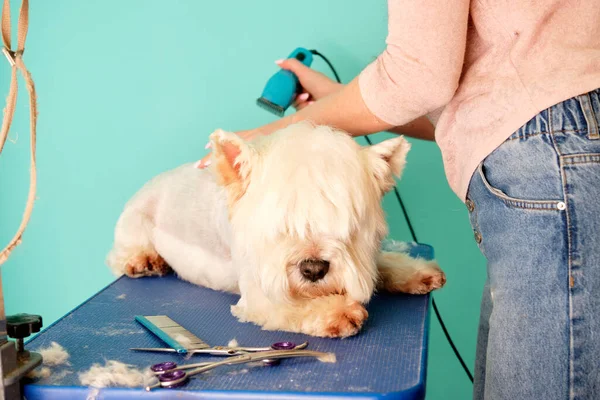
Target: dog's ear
{"points": [[231, 156], [387, 159]]}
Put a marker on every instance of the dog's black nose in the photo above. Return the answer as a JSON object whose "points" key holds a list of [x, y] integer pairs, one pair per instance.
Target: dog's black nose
{"points": [[314, 270]]}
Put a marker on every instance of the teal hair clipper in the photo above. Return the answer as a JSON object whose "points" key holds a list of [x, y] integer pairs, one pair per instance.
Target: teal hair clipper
{"points": [[284, 86]]}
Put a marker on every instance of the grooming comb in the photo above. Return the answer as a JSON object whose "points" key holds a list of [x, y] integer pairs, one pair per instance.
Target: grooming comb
{"points": [[281, 89], [170, 332]]}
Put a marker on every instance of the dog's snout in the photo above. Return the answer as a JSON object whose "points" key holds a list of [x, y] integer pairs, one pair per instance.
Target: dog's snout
{"points": [[314, 270]]}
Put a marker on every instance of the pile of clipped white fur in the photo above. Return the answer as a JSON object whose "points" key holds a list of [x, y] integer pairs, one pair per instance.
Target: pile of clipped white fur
{"points": [[115, 373], [52, 356]]}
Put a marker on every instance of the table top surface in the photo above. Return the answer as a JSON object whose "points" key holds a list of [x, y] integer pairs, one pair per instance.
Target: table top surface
{"points": [[386, 359]]}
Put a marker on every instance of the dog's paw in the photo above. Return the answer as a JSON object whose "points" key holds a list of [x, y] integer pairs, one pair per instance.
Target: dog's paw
{"points": [[331, 316], [334, 316], [346, 321], [400, 273], [146, 264], [238, 312], [424, 280]]}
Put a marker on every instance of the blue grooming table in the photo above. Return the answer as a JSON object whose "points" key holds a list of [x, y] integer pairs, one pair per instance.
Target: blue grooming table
{"points": [[387, 359]]}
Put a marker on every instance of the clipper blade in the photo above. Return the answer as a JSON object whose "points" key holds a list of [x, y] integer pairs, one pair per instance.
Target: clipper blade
{"points": [[173, 334], [269, 106]]}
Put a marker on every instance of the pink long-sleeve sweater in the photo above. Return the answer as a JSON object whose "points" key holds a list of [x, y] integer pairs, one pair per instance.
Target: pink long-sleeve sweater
{"points": [[483, 68]]}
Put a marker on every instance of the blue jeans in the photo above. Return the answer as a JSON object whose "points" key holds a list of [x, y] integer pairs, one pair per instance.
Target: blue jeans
{"points": [[534, 205]]}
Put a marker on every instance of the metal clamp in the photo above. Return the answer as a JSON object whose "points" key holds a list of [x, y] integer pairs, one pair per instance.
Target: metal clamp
{"points": [[15, 360], [10, 56]]}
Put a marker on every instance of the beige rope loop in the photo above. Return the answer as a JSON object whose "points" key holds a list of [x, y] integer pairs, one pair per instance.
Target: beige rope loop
{"points": [[15, 58]]}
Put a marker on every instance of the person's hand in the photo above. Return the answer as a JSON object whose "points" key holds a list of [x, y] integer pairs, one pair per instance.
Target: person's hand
{"points": [[315, 84]]}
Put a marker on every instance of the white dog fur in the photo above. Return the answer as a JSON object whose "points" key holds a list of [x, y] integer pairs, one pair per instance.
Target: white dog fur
{"points": [[269, 213]]}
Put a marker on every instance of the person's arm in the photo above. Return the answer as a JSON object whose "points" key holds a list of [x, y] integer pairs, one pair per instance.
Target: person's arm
{"points": [[343, 109], [316, 86], [420, 128], [417, 73]]}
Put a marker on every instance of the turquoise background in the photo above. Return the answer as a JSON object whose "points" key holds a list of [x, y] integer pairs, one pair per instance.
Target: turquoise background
{"points": [[128, 89]]}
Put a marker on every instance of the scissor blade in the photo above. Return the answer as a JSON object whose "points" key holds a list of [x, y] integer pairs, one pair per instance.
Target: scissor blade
{"points": [[161, 349], [252, 349], [259, 349]]}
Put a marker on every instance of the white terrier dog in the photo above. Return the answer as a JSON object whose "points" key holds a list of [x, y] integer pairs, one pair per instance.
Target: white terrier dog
{"points": [[292, 222]]}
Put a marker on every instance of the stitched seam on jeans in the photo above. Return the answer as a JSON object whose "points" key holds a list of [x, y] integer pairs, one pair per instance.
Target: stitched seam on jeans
{"points": [[569, 265], [527, 135], [590, 117], [583, 162], [475, 223], [545, 133], [518, 203], [587, 158]]}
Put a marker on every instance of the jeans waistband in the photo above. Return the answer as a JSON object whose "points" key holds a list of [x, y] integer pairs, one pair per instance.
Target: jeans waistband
{"points": [[577, 115]]}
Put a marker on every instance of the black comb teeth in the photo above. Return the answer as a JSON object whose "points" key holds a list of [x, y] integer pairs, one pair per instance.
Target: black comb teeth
{"points": [[272, 107]]}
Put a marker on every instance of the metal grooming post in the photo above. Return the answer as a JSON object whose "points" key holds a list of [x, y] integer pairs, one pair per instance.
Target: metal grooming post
{"points": [[15, 361]]}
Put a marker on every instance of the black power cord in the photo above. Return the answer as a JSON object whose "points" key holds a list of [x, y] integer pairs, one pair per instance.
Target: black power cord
{"points": [[414, 237], [337, 77]]}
